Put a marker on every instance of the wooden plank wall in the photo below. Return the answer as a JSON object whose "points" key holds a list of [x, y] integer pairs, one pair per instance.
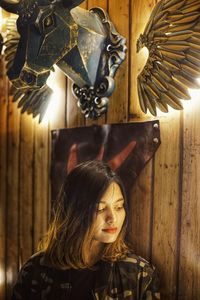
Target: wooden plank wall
{"points": [[165, 204]]}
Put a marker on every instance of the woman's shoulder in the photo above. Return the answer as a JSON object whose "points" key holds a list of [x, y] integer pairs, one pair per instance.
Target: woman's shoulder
{"points": [[32, 266], [36, 259], [133, 261], [36, 266], [37, 269], [37, 277]]}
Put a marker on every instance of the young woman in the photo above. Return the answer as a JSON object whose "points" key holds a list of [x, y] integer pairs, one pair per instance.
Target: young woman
{"points": [[84, 255]]}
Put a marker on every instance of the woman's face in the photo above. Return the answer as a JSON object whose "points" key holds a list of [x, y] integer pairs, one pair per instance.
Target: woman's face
{"points": [[110, 215]]}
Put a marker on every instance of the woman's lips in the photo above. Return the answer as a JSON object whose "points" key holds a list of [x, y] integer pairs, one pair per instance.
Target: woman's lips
{"points": [[110, 230]]}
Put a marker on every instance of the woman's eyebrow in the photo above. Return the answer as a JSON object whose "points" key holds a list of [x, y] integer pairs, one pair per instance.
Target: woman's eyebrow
{"points": [[121, 199]]}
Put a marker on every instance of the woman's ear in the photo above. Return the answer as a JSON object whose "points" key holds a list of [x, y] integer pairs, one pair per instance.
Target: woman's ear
{"points": [[71, 3]]}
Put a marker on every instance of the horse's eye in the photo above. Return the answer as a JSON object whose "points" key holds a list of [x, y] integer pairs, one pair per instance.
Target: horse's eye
{"points": [[48, 21]]}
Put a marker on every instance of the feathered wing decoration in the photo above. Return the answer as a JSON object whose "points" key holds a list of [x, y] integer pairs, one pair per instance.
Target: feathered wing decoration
{"points": [[32, 101], [172, 36]]}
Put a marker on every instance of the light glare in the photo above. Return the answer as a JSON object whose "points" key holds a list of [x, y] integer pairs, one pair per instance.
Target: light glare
{"points": [[56, 82], [2, 276]]}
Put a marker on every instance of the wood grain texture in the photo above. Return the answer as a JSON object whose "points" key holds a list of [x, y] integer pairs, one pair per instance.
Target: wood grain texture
{"points": [[118, 103], [140, 12], [26, 188], [141, 213], [3, 183], [166, 204], [189, 271], [142, 192], [98, 3], [40, 183], [12, 209], [58, 108]]}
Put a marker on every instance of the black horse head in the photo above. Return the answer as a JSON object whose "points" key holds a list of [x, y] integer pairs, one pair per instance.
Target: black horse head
{"points": [[84, 44], [47, 32]]}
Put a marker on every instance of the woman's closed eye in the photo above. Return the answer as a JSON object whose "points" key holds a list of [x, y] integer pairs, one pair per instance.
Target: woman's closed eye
{"points": [[101, 209], [119, 207]]}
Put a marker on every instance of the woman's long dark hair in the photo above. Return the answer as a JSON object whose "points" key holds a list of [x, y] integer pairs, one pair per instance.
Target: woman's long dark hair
{"points": [[69, 237]]}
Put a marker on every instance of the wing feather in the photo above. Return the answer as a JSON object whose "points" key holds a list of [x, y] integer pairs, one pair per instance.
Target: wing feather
{"points": [[193, 56], [159, 83], [171, 64], [179, 91], [187, 81], [142, 98], [172, 100], [181, 27], [17, 95], [193, 16], [150, 101], [175, 4], [190, 69], [172, 36], [172, 54], [33, 102], [191, 7], [180, 35], [162, 105], [177, 46]]}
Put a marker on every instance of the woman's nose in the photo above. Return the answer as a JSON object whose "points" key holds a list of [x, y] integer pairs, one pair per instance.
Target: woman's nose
{"points": [[111, 217]]}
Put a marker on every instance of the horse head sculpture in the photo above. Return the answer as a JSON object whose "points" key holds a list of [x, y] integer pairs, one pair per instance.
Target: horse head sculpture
{"points": [[83, 44]]}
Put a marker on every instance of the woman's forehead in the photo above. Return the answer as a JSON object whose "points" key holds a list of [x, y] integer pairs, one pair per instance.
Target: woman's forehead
{"points": [[112, 194]]}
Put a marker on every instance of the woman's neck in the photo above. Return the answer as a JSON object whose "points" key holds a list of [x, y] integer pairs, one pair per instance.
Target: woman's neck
{"points": [[96, 252]]}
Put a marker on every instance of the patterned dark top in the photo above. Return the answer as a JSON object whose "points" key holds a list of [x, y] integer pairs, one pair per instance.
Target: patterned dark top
{"points": [[132, 278]]}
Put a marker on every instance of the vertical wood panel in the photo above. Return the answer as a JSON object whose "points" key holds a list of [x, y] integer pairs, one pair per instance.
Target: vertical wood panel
{"points": [[142, 193], [118, 105], [97, 3], [3, 167], [141, 213], [140, 12], [26, 187], [12, 236], [166, 204], [189, 271], [59, 84], [41, 182]]}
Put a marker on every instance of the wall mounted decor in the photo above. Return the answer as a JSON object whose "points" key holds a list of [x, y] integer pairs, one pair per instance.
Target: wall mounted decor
{"points": [[83, 44], [125, 147], [172, 36]]}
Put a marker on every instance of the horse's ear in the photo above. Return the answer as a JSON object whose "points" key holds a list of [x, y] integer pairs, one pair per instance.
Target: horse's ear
{"points": [[71, 3]]}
